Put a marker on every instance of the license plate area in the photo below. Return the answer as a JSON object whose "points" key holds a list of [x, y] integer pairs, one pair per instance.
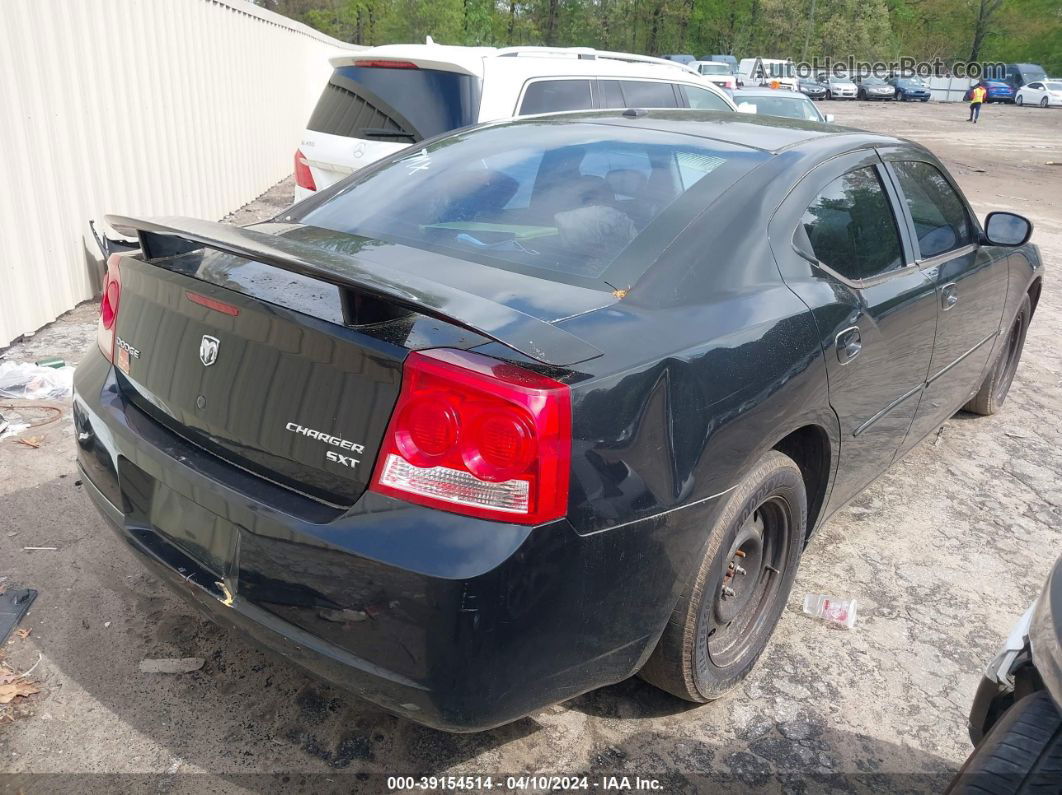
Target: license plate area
{"points": [[207, 540]]}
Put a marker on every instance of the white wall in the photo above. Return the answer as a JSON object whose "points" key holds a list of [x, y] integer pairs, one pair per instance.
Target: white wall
{"points": [[949, 89], [148, 107]]}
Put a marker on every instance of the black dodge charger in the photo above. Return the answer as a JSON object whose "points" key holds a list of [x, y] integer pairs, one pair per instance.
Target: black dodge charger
{"points": [[531, 407]]}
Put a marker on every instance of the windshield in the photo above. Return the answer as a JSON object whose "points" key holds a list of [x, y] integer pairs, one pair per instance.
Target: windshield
{"points": [[560, 200], [714, 68], [402, 105], [788, 107], [873, 81], [1054, 85], [834, 80]]}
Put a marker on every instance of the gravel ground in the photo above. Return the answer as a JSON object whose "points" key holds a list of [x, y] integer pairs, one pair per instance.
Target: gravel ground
{"points": [[943, 552]]}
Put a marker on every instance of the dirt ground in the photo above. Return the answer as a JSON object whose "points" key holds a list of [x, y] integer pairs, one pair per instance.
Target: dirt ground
{"points": [[943, 553]]}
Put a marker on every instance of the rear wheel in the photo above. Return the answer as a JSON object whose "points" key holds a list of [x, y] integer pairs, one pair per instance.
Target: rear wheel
{"points": [[722, 623], [993, 392]]}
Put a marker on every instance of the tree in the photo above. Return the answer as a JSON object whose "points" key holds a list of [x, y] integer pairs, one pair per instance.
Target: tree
{"points": [[986, 10]]}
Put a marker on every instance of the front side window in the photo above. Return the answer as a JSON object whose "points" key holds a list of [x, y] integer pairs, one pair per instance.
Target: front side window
{"points": [[940, 218], [851, 227], [556, 199], [703, 99], [553, 96]]}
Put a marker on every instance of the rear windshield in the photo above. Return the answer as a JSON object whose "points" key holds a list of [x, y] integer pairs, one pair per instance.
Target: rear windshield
{"points": [[714, 68], [788, 107], [399, 105], [559, 200]]}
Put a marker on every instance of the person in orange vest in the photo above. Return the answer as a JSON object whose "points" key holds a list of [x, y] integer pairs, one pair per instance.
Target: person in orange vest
{"points": [[977, 98]]}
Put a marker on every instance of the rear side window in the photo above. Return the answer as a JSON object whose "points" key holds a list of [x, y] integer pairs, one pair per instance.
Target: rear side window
{"points": [[703, 99], [851, 227], [402, 105], [553, 96], [647, 94], [940, 218], [558, 201]]}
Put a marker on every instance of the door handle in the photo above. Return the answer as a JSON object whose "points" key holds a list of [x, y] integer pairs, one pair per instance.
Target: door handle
{"points": [[949, 296], [849, 343]]}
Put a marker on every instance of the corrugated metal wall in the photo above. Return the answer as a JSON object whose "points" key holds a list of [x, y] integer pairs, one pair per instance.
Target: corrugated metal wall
{"points": [[190, 107]]}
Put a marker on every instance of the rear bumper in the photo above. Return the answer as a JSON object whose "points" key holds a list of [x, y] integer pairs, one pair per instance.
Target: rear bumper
{"points": [[455, 623]]}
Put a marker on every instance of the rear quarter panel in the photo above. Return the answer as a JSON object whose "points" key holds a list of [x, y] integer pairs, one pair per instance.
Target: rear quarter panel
{"points": [[709, 362]]}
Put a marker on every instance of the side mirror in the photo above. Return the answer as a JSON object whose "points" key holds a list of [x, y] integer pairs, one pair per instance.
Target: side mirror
{"points": [[829, 118], [1007, 229]]}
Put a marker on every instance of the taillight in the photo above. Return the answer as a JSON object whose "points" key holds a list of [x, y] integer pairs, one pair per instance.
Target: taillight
{"points": [[112, 294], [386, 64], [303, 175], [477, 436]]}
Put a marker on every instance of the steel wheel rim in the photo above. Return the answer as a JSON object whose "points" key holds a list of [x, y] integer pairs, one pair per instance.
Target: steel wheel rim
{"points": [[761, 549]]}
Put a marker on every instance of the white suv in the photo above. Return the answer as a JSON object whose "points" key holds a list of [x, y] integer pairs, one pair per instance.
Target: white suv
{"points": [[385, 98]]}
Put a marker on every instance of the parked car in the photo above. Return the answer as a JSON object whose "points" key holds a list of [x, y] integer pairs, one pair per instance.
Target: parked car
{"points": [[1019, 74], [839, 87], [685, 59], [786, 104], [531, 407], [909, 89], [812, 88], [728, 59], [1040, 92], [753, 72], [995, 91], [870, 87], [999, 91], [1016, 718], [717, 72], [384, 99]]}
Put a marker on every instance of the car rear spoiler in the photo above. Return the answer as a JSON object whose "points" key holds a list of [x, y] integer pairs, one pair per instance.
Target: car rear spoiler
{"points": [[535, 338]]}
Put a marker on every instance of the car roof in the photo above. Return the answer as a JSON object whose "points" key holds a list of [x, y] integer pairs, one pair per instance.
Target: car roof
{"points": [[766, 133], [533, 60]]}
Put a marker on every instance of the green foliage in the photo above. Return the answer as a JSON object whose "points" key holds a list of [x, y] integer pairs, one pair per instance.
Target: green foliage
{"points": [[1022, 30]]}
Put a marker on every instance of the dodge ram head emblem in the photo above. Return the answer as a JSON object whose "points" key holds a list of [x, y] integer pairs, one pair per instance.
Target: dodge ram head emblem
{"points": [[208, 350]]}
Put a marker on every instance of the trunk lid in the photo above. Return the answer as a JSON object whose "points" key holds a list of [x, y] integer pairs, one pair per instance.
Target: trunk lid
{"points": [[298, 400]]}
